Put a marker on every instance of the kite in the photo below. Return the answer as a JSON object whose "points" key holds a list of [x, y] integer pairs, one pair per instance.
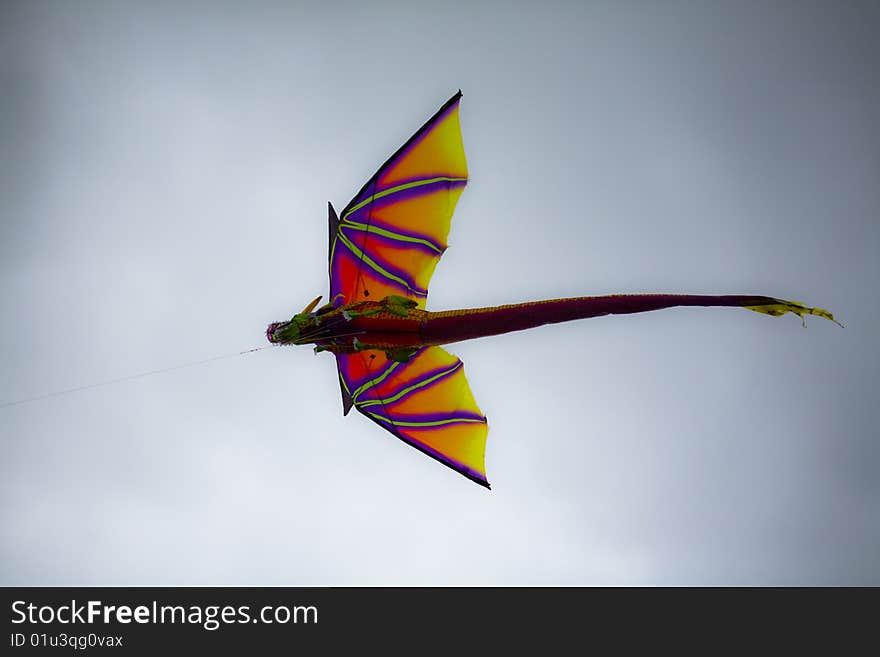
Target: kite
{"points": [[389, 351]]}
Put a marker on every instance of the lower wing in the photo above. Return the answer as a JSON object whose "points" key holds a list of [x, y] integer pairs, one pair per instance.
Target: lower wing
{"points": [[426, 402]]}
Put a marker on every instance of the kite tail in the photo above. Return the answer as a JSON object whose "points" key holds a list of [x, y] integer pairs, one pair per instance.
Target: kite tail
{"points": [[455, 325]]}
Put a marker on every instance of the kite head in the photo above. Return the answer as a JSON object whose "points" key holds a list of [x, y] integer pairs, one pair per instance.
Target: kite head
{"points": [[294, 331], [298, 330]]}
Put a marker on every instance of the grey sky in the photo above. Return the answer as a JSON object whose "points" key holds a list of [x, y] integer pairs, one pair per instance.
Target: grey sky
{"points": [[163, 189]]}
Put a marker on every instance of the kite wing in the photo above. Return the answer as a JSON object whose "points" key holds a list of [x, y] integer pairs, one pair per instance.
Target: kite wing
{"points": [[387, 241], [426, 402], [391, 235]]}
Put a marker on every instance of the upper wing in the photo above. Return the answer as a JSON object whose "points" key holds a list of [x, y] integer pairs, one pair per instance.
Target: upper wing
{"points": [[391, 235], [425, 402]]}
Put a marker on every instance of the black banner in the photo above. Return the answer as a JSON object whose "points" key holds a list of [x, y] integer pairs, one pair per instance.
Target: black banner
{"points": [[249, 620]]}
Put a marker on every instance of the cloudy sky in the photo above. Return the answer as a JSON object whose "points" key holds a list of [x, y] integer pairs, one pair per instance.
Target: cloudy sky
{"points": [[164, 174]]}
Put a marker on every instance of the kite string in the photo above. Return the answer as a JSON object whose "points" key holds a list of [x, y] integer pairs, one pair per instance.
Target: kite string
{"points": [[131, 377]]}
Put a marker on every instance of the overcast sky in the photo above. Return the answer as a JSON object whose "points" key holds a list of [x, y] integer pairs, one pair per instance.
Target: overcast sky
{"points": [[164, 174]]}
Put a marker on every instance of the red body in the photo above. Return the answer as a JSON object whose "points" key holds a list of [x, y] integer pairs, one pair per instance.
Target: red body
{"points": [[373, 324]]}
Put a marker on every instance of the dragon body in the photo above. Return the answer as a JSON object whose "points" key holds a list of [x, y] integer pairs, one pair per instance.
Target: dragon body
{"points": [[397, 326]]}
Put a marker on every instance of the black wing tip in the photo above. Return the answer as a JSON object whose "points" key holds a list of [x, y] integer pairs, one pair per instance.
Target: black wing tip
{"points": [[347, 401], [482, 482], [455, 98], [333, 225]]}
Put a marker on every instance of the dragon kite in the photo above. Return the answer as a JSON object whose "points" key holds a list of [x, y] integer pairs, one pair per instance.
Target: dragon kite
{"points": [[383, 250]]}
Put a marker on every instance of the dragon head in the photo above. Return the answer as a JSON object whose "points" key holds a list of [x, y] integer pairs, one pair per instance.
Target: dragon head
{"points": [[291, 331]]}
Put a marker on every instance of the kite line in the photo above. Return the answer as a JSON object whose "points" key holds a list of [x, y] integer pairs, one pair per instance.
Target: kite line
{"points": [[130, 377]]}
